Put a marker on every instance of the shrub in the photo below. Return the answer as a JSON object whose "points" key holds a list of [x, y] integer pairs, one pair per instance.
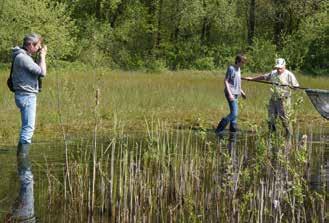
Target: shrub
{"points": [[155, 65], [294, 50], [307, 48], [261, 56], [47, 18], [205, 63], [224, 54]]}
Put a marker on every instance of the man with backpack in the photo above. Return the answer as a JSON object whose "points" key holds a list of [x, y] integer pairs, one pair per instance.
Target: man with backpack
{"points": [[25, 74]]}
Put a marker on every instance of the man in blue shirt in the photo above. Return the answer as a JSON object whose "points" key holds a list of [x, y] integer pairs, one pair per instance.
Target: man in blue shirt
{"points": [[232, 91]]}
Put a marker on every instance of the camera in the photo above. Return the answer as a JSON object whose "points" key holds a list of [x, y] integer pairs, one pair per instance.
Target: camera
{"points": [[38, 58], [39, 50], [40, 83]]}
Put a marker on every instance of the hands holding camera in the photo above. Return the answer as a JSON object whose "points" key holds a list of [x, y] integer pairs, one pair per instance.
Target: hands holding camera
{"points": [[43, 51], [42, 63]]}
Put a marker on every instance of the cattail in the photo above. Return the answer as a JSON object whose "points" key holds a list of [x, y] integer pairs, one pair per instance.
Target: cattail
{"points": [[97, 96]]}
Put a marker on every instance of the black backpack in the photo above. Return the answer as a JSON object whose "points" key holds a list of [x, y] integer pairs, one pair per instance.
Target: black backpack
{"points": [[10, 83]]}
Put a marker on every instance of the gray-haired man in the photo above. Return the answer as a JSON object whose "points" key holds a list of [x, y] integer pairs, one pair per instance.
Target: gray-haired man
{"points": [[25, 81], [280, 101]]}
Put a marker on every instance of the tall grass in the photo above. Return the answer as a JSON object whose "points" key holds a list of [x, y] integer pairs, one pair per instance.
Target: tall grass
{"points": [[184, 99], [182, 176]]}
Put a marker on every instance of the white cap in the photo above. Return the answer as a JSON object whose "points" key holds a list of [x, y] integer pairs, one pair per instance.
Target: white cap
{"points": [[279, 63]]}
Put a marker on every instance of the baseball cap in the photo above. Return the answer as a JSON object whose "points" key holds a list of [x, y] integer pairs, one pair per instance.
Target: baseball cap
{"points": [[279, 63]]}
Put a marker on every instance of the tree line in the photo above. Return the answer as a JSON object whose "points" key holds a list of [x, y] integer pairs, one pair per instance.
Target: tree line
{"points": [[173, 34]]}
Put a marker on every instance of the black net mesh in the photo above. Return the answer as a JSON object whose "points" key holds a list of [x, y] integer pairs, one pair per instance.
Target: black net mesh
{"points": [[320, 100]]}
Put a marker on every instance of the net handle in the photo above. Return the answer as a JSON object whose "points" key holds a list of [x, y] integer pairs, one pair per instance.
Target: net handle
{"points": [[322, 112], [272, 83]]}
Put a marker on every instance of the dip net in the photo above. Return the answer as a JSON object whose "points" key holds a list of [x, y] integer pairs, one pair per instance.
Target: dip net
{"points": [[320, 100]]}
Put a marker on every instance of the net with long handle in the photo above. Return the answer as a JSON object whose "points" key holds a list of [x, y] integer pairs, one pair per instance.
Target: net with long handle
{"points": [[318, 97], [320, 100]]}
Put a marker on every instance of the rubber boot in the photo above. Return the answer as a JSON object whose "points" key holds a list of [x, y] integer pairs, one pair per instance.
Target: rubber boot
{"points": [[233, 127], [271, 127], [221, 125], [23, 149]]}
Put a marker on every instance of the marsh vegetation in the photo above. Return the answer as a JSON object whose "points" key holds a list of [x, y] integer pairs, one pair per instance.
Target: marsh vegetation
{"points": [[144, 150]]}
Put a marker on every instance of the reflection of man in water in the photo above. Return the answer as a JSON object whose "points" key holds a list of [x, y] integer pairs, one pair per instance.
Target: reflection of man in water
{"points": [[231, 149], [23, 208], [232, 143]]}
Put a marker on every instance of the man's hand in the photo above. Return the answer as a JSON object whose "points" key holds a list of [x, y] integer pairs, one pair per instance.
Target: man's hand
{"points": [[43, 51], [42, 63], [231, 98]]}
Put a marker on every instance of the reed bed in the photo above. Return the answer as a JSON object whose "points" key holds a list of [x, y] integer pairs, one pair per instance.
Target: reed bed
{"points": [[185, 176]]}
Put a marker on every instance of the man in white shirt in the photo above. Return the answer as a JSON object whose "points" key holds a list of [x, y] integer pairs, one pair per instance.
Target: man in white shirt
{"points": [[280, 102]]}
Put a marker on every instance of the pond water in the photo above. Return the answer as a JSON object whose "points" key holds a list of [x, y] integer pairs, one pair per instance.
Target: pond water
{"points": [[163, 177]]}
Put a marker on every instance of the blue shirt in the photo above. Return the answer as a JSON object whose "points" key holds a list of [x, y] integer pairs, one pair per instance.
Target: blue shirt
{"points": [[233, 77]]}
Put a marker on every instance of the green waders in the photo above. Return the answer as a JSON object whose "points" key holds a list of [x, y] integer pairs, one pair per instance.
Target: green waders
{"points": [[280, 107]]}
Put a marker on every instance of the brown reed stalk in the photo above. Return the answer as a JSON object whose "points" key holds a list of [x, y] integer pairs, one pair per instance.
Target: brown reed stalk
{"points": [[92, 205], [66, 170]]}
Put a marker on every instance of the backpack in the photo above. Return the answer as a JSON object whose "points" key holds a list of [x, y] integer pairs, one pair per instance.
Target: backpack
{"points": [[10, 83]]}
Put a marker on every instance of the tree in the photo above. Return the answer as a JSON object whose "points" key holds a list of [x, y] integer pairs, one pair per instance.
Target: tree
{"points": [[251, 21], [43, 17]]}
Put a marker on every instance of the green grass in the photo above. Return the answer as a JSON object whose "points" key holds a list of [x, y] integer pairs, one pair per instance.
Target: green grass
{"points": [[138, 166], [183, 99]]}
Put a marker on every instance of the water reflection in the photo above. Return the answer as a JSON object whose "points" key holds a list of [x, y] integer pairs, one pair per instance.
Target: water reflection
{"points": [[231, 144], [319, 176], [230, 141], [23, 208], [236, 159], [316, 148]]}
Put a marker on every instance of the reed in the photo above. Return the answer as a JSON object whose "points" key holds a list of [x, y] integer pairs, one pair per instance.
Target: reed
{"points": [[168, 175]]}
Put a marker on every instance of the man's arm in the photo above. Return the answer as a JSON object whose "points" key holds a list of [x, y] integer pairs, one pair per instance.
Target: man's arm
{"points": [[293, 81], [42, 62], [228, 89], [229, 73], [257, 78]]}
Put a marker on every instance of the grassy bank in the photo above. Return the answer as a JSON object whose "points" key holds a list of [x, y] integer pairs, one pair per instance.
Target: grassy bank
{"points": [[183, 99]]}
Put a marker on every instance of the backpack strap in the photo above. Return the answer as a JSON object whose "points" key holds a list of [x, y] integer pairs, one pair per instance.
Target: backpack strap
{"points": [[10, 78], [12, 65]]}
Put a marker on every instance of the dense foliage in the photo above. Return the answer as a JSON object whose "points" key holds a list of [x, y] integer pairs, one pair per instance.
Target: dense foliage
{"points": [[173, 34]]}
